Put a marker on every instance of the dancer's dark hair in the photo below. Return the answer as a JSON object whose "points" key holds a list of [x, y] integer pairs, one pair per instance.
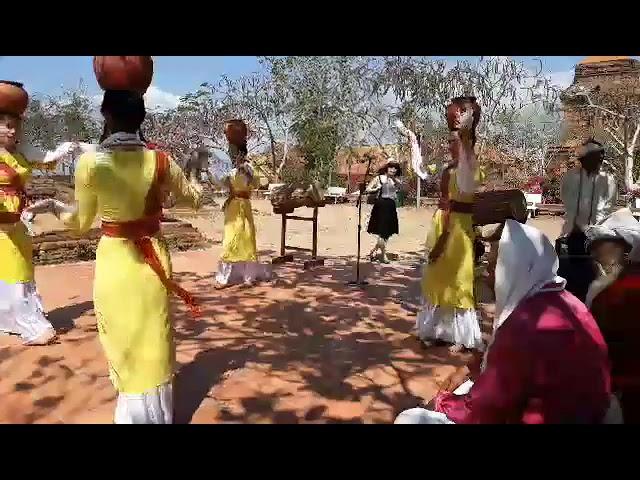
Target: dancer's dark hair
{"points": [[126, 110]]}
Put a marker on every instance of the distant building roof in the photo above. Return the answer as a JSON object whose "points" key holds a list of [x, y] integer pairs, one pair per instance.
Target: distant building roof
{"points": [[602, 59], [353, 161]]}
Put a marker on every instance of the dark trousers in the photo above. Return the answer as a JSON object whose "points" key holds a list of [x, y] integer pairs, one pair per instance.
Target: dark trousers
{"points": [[576, 265]]}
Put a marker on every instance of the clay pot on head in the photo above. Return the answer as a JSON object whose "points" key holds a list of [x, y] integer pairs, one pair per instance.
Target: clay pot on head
{"points": [[463, 113], [132, 73], [14, 99], [236, 132]]}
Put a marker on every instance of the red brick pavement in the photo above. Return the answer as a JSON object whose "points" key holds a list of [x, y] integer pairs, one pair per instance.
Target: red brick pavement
{"points": [[303, 349]]}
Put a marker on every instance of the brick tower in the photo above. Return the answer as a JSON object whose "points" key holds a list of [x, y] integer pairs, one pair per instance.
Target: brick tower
{"points": [[596, 76]]}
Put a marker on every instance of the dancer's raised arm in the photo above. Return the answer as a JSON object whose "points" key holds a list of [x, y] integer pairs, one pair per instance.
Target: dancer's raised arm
{"points": [[416, 151], [47, 159], [185, 192]]}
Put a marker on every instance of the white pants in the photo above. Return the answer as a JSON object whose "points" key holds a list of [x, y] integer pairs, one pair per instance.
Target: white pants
{"points": [[614, 414], [423, 416], [21, 311], [452, 325], [418, 415], [152, 407]]}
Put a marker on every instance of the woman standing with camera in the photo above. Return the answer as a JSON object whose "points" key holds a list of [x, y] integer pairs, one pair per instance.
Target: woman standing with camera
{"points": [[383, 193]]}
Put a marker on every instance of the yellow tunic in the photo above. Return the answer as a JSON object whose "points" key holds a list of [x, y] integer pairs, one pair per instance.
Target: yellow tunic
{"points": [[449, 281], [16, 248], [239, 242], [131, 303]]}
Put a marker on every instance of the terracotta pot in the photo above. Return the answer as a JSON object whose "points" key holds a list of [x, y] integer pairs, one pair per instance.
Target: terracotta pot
{"points": [[13, 98], [455, 108], [123, 73], [236, 132]]}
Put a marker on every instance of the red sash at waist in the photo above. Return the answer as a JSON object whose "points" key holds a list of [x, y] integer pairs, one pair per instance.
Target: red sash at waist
{"points": [[140, 233], [233, 194], [461, 207], [9, 191], [143, 227], [12, 186], [243, 194], [9, 217]]}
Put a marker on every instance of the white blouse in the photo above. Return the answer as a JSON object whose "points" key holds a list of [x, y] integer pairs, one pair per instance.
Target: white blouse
{"points": [[587, 199], [389, 186]]}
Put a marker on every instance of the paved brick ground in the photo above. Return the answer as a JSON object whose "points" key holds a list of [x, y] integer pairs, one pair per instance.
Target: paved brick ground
{"points": [[303, 349]]}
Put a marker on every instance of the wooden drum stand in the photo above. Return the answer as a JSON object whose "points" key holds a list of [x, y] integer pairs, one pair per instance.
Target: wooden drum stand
{"points": [[285, 210]]}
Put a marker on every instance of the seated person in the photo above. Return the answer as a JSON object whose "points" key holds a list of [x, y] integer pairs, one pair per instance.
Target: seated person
{"points": [[589, 194], [547, 362], [615, 303], [608, 250]]}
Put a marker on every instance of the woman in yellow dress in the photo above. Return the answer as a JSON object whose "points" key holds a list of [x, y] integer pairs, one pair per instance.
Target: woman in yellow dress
{"points": [[239, 260], [21, 310], [125, 183], [449, 314]]}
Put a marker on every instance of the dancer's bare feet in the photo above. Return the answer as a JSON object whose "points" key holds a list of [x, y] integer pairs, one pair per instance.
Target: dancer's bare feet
{"points": [[47, 337]]}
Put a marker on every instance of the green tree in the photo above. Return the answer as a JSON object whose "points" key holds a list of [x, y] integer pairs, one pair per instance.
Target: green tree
{"points": [[330, 103], [519, 104], [69, 117]]}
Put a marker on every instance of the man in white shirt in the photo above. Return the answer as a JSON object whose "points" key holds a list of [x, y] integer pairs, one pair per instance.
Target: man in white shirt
{"points": [[589, 195]]}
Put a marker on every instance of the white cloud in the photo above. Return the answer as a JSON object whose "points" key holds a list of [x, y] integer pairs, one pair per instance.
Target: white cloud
{"points": [[155, 99], [562, 79]]}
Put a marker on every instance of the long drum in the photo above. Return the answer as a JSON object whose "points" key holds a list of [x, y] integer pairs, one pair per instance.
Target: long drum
{"points": [[498, 206]]}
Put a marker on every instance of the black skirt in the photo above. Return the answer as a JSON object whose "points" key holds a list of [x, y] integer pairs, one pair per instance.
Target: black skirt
{"points": [[384, 218]]}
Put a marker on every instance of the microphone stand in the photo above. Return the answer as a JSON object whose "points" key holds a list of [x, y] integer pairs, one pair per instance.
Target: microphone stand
{"points": [[358, 282]]}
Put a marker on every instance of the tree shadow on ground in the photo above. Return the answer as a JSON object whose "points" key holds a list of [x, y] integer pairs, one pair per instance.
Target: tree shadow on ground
{"points": [[63, 318], [302, 349], [311, 348]]}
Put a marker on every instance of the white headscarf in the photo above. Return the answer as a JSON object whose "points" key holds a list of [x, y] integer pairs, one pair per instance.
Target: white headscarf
{"points": [[620, 225], [527, 264]]}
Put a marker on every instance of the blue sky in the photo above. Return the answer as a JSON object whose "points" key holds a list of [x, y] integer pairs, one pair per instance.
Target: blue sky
{"points": [[175, 76]]}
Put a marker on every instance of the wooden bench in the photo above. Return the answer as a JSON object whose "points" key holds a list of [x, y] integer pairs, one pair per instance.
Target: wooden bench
{"points": [[337, 193], [551, 208], [533, 200]]}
